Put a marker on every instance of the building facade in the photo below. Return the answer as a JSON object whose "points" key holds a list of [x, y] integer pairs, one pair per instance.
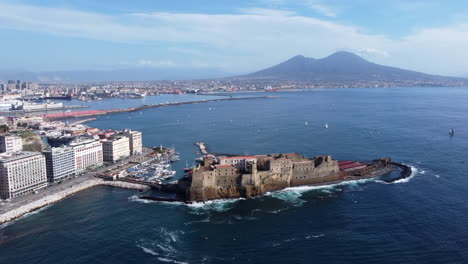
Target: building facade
{"points": [[116, 148], [88, 153], [239, 162], [136, 142], [21, 173], [60, 163], [10, 143]]}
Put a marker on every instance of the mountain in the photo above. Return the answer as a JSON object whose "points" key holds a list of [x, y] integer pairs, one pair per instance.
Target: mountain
{"points": [[340, 66]]}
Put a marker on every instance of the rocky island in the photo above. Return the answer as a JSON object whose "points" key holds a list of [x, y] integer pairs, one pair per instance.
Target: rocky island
{"points": [[250, 176]]}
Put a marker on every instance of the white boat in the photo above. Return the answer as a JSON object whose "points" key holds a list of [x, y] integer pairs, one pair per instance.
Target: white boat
{"points": [[326, 125], [306, 123]]}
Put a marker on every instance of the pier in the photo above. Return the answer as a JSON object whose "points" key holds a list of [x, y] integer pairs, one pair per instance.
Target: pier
{"points": [[143, 107], [202, 147]]}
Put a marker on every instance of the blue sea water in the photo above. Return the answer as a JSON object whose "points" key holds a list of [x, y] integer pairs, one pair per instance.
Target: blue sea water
{"points": [[418, 220]]}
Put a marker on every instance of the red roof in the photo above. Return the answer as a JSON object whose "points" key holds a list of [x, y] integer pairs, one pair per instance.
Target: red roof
{"points": [[239, 157], [224, 166], [76, 113], [349, 165]]}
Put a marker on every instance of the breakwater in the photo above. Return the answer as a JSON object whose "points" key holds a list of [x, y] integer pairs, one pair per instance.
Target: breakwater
{"points": [[53, 198], [143, 107], [202, 147]]}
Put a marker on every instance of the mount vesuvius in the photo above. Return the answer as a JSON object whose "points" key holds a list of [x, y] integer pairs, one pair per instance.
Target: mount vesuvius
{"points": [[339, 66]]}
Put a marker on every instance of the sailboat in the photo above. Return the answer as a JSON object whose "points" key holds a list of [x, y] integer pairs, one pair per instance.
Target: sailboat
{"points": [[451, 132], [326, 125], [306, 123]]}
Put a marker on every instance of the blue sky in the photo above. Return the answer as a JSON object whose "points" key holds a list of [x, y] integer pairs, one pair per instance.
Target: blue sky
{"points": [[232, 36]]}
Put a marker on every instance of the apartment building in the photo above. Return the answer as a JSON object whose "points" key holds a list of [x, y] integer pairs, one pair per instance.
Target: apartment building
{"points": [[21, 173], [60, 163], [136, 143], [88, 153], [115, 148], [9, 143]]}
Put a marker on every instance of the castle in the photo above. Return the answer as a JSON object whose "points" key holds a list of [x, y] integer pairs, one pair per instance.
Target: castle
{"points": [[248, 176]]}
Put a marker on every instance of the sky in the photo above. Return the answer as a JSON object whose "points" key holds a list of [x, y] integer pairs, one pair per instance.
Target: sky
{"points": [[230, 36]]}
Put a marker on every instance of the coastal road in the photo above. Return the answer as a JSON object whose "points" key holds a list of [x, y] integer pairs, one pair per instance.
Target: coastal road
{"points": [[67, 183]]}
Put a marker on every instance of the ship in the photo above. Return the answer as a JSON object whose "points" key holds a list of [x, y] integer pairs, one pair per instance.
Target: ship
{"points": [[26, 106], [59, 97]]}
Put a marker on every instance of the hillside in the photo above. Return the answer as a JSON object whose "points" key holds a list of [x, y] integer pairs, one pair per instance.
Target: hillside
{"points": [[340, 66]]}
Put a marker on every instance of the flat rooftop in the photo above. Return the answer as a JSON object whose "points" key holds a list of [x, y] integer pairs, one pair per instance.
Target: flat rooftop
{"points": [[7, 157]]}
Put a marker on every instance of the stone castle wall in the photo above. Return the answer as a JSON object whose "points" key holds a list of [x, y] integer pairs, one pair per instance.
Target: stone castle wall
{"points": [[276, 172]]}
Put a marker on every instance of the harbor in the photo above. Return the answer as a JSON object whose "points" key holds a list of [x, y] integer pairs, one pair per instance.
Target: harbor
{"points": [[142, 173]]}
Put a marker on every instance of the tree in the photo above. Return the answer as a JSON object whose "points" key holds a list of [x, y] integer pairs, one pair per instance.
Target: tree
{"points": [[4, 128]]}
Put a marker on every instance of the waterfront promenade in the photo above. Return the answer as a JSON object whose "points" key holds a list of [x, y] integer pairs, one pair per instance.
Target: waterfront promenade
{"points": [[29, 203], [24, 204]]}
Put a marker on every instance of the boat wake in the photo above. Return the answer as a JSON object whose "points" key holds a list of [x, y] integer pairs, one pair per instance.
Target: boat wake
{"points": [[296, 239], [164, 247]]}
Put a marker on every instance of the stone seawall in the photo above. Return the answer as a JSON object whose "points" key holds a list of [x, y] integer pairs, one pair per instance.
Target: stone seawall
{"points": [[53, 198]]}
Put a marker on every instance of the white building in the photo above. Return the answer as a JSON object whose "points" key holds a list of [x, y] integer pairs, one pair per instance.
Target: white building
{"points": [[239, 162], [136, 144], [10, 143], [88, 154], [115, 148], [60, 163], [21, 173]]}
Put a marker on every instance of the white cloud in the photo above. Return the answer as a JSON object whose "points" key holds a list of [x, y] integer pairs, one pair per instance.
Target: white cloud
{"points": [[372, 52], [249, 40], [156, 64], [321, 8]]}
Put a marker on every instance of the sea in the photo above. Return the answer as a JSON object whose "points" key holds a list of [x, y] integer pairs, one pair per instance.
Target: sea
{"points": [[420, 219]]}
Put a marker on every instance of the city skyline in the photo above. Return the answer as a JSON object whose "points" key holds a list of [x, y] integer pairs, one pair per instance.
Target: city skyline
{"points": [[229, 38]]}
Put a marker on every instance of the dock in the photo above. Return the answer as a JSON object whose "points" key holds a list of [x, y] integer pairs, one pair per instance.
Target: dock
{"points": [[202, 147], [143, 107]]}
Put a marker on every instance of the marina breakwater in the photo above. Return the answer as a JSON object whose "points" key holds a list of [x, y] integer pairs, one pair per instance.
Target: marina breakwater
{"points": [[21, 210], [143, 107]]}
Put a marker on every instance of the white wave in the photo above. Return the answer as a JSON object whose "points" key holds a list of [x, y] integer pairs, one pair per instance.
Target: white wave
{"points": [[170, 236], [414, 172], [294, 194], [289, 240], [171, 261], [166, 248], [269, 211], [136, 198], [248, 218], [149, 251], [25, 216], [206, 220], [314, 236], [219, 205]]}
